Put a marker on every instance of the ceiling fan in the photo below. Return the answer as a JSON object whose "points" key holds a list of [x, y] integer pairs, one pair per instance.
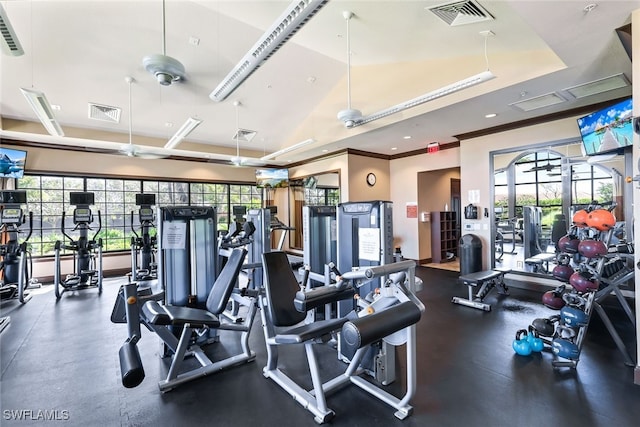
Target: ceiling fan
{"points": [[165, 68], [547, 167], [131, 149], [351, 117]]}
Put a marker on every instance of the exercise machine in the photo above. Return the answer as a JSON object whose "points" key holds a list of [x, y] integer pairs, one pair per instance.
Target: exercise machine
{"points": [[319, 241], [390, 316], [15, 271], [365, 236], [166, 319], [187, 257], [144, 245], [87, 252]]}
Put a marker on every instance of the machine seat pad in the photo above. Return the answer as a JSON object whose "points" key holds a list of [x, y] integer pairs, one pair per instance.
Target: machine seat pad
{"points": [[300, 334], [480, 277], [318, 297], [368, 329], [540, 258], [174, 315]]}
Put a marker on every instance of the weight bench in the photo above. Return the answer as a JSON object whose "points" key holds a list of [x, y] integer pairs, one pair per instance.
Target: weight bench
{"points": [[540, 262], [167, 321], [486, 280]]}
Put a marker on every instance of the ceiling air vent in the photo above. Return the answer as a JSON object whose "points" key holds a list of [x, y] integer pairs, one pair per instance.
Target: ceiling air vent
{"points": [[244, 135], [10, 43], [461, 13], [104, 113], [542, 101]]}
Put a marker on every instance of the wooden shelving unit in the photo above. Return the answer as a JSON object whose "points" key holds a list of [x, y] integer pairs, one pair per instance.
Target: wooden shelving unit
{"points": [[444, 236]]}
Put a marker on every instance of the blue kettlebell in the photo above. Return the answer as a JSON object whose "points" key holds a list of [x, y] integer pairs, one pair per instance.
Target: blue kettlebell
{"points": [[534, 340], [573, 316], [521, 344], [565, 349]]}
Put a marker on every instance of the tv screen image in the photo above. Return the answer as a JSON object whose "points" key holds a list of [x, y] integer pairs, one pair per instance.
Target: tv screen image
{"points": [[608, 129], [272, 178], [12, 163]]}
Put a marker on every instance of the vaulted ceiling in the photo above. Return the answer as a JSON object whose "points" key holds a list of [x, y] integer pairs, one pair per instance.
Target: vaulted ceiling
{"points": [[79, 52]]}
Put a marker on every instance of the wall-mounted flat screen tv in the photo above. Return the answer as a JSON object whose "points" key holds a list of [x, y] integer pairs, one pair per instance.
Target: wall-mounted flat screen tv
{"points": [[12, 163], [272, 178], [607, 130]]}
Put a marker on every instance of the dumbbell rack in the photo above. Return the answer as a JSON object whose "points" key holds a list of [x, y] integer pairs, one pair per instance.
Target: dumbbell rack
{"points": [[578, 340], [613, 284]]}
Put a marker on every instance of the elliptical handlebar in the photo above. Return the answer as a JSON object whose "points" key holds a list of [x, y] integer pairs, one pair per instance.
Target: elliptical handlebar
{"points": [[133, 229], [99, 227], [62, 228]]}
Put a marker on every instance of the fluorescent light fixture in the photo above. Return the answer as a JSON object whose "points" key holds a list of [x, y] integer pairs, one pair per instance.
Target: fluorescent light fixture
{"points": [[288, 149], [43, 110], [293, 18], [10, 43], [541, 101], [595, 87], [438, 93], [184, 130]]}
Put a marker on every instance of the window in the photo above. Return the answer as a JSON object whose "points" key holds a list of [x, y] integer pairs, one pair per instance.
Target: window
{"points": [[538, 182], [321, 196], [590, 183], [48, 199]]}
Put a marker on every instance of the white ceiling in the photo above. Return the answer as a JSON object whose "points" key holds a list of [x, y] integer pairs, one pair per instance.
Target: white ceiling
{"points": [[78, 52]]}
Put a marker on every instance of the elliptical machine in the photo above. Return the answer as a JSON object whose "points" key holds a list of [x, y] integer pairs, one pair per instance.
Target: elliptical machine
{"points": [[87, 253], [16, 274], [144, 246]]}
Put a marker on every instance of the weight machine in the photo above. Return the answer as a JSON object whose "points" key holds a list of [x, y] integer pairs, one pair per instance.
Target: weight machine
{"points": [[16, 273], [187, 257], [179, 328], [365, 233], [144, 246], [87, 253], [390, 316]]}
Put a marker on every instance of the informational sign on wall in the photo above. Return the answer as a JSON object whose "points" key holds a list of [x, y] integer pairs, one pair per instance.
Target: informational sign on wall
{"points": [[412, 210], [474, 196]]}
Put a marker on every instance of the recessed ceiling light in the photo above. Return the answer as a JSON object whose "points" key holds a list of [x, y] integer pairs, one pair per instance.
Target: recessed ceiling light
{"points": [[394, 148], [406, 137], [55, 107], [324, 151], [490, 115], [168, 124]]}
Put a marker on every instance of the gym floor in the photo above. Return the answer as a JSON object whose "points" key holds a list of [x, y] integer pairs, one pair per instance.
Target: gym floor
{"points": [[62, 357]]}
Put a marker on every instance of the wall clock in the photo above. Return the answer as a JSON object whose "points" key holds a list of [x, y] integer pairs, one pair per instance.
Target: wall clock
{"points": [[371, 179]]}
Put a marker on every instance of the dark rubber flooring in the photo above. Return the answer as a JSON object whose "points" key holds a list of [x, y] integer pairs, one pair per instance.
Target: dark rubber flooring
{"points": [[60, 360]]}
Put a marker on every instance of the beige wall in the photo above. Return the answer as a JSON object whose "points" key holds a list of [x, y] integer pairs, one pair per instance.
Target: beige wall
{"points": [[60, 161], [434, 194], [475, 167], [359, 190], [404, 189]]}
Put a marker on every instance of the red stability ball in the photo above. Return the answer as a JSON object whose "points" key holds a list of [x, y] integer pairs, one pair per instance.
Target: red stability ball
{"points": [[583, 284], [601, 219], [580, 218], [562, 272], [568, 244], [592, 248]]}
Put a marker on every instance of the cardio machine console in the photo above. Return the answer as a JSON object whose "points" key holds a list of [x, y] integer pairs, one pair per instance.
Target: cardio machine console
{"points": [[81, 214], [146, 214], [10, 215]]}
